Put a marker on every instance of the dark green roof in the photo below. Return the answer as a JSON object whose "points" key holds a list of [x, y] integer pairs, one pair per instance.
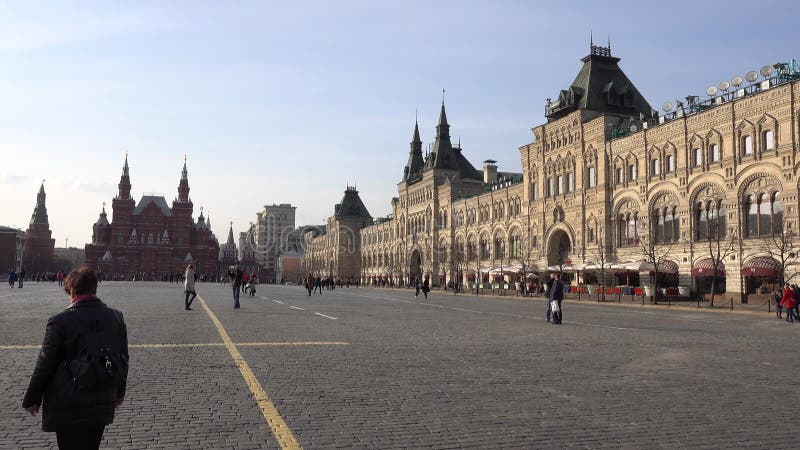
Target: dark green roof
{"points": [[351, 205], [600, 86]]}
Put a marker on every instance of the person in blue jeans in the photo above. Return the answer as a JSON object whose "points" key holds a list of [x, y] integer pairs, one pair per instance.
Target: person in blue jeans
{"points": [[235, 276]]}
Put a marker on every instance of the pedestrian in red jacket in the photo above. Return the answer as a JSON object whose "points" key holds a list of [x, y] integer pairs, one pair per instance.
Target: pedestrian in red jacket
{"points": [[788, 302]]}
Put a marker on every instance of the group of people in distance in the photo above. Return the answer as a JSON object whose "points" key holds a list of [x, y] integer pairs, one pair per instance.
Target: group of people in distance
{"points": [[240, 282], [20, 277], [789, 300]]}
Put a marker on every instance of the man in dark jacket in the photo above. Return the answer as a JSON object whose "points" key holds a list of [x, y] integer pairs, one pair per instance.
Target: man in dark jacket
{"points": [[235, 276], [82, 369]]}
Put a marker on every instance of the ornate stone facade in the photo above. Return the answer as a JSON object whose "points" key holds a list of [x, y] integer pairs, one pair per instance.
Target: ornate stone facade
{"points": [[603, 179]]}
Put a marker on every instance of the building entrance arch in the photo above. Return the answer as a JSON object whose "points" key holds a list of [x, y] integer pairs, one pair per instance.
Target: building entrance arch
{"points": [[559, 248]]}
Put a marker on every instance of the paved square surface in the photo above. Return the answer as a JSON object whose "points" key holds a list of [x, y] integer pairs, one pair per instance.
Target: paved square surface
{"points": [[382, 369]]}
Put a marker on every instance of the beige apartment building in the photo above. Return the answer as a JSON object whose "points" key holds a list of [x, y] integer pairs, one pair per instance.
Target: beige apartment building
{"points": [[271, 234], [710, 183]]}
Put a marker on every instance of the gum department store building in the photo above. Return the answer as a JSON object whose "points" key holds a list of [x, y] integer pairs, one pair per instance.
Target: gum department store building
{"points": [[604, 174]]}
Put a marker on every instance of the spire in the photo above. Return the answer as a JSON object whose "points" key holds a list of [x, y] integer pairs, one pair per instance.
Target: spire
{"points": [[184, 172], [103, 219], [415, 163], [124, 181], [39, 215], [416, 139], [183, 186], [443, 156], [230, 235]]}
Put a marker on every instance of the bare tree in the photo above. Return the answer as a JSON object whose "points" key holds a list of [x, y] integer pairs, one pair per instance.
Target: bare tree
{"points": [[783, 247], [459, 263], [598, 257], [528, 256], [656, 253], [719, 249]]}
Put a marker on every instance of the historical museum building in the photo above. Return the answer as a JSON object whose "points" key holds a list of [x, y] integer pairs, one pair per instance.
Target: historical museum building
{"points": [[39, 244], [149, 239], [607, 179]]}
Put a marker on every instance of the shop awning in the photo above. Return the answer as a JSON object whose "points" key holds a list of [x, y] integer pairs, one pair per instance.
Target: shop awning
{"points": [[668, 266], [761, 266], [705, 268]]}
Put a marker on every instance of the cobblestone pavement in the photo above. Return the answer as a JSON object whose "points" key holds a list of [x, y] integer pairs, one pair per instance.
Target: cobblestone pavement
{"points": [[382, 369]]}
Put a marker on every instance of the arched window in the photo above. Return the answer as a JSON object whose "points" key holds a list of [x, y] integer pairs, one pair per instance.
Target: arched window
{"points": [[655, 167], [747, 145], [697, 157], [619, 175], [764, 214], [499, 247], [670, 163], [629, 229], [767, 140], [592, 176], [709, 220], [516, 246], [713, 153], [484, 248]]}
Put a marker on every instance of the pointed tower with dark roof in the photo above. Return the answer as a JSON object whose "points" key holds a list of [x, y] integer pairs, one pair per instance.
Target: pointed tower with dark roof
{"points": [[600, 87], [229, 251], [39, 245], [182, 209], [413, 169], [442, 154]]}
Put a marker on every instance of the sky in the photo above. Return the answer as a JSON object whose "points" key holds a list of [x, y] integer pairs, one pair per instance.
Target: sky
{"points": [[290, 102]]}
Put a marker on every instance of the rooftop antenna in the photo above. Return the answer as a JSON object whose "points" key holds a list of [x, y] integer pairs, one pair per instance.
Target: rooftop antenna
{"points": [[751, 76], [443, 96], [724, 86], [609, 42], [766, 71], [737, 81], [591, 40]]}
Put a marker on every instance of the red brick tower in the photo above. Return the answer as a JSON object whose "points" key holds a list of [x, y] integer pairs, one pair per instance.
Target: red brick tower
{"points": [[39, 245]]}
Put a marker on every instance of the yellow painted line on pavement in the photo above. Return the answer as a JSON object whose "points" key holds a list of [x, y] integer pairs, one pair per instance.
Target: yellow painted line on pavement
{"points": [[200, 344], [276, 423]]}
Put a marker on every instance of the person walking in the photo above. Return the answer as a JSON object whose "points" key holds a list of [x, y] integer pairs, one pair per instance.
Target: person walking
{"points": [[557, 294], [235, 276], [417, 287], [426, 287], [796, 292], [548, 293], [60, 277], [318, 284], [81, 373], [309, 283], [788, 301], [11, 277], [20, 277], [188, 287], [251, 285]]}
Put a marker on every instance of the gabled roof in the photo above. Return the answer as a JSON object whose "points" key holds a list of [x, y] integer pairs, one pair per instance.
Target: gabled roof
{"points": [[157, 200]]}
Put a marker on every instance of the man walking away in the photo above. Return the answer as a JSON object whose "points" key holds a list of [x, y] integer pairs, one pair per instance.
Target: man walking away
{"points": [[416, 288], [309, 283], [188, 287], [318, 284], [235, 276], [21, 277], [11, 277], [426, 287], [82, 369]]}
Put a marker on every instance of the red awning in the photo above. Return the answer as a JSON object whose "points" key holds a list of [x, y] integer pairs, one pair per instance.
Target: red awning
{"points": [[668, 266], [705, 268], [761, 266]]}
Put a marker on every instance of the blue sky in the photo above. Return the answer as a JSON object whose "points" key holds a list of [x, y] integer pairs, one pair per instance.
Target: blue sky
{"points": [[277, 102]]}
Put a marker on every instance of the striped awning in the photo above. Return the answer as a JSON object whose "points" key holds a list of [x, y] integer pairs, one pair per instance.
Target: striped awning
{"points": [[705, 268], [761, 266]]}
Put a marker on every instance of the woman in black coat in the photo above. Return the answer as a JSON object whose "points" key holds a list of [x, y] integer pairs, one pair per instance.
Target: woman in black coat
{"points": [[82, 369]]}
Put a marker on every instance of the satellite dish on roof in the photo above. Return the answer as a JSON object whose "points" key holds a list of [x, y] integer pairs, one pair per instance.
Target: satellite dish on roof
{"points": [[737, 80], [751, 76], [724, 86], [633, 129], [712, 91], [667, 107], [766, 71]]}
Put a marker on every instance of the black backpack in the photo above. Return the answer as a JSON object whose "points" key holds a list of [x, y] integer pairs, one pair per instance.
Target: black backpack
{"points": [[96, 367]]}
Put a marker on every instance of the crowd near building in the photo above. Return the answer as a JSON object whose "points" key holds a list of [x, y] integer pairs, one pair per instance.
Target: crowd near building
{"points": [[704, 190]]}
